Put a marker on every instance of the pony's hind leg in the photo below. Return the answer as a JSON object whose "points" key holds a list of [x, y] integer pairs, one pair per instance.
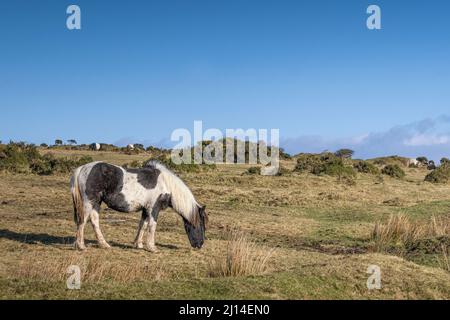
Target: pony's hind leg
{"points": [[142, 227], [95, 221], [79, 242]]}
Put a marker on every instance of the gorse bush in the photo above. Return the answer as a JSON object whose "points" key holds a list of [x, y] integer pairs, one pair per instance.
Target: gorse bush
{"points": [[393, 171], [366, 167], [25, 158], [66, 165], [391, 160], [324, 164], [440, 174], [239, 151], [307, 162], [15, 157], [423, 160], [136, 164], [182, 167], [445, 162], [344, 153]]}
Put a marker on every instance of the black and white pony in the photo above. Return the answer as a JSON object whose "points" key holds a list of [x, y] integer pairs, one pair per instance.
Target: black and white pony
{"points": [[149, 189]]}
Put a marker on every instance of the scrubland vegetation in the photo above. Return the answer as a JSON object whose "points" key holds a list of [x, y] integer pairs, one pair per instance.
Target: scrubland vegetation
{"points": [[310, 232]]}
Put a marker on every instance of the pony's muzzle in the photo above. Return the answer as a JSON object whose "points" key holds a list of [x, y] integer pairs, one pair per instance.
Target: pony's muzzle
{"points": [[196, 235]]}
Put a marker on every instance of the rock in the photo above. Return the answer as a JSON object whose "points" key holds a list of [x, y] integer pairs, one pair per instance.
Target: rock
{"points": [[270, 171]]}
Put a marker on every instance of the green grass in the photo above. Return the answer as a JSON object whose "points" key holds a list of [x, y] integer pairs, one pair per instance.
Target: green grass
{"points": [[319, 228]]}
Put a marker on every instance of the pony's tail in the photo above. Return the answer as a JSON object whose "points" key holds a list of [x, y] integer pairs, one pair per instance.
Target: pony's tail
{"points": [[78, 206]]}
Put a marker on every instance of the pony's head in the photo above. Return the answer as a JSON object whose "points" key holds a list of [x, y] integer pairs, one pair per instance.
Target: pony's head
{"points": [[196, 229]]}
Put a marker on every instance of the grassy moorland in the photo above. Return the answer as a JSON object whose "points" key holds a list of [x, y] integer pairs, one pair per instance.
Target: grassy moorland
{"points": [[315, 237]]}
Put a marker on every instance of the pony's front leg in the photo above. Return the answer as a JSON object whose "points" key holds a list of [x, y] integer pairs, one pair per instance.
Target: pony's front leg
{"points": [[151, 235], [161, 203], [142, 227]]}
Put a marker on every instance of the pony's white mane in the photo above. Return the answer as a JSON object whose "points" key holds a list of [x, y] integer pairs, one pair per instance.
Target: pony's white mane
{"points": [[183, 200]]}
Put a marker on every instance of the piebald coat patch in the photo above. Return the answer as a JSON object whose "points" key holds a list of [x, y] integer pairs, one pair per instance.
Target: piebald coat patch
{"points": [[149, 189]]}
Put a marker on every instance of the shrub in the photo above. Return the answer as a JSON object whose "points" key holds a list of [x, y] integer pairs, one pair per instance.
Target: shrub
{"points": [[366, 167], [283, 171], [133, 164], [445, 162], [331, 165], [253, 170], [64, 165], [24, 158], [324, 164], [394, 171], [284, 155], [108, 147], [72, 141], [431, 165], [15, 158], [423, 160], [344, 153], [41, 167], [249, 149], [242, 258], [439, 175], [183, 167], [393, 160], [307, 162], [139, 146]]}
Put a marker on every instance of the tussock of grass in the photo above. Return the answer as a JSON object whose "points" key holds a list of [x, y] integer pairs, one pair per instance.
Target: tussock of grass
{"points": [[401, 235], [242, 258], [443, 258], [93, 269]]}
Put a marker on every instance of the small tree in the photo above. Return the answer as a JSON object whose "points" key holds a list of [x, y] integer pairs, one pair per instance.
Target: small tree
{"points": [[445, 162], [44, 145], [344, 153], [72, 141], [423, 160], [58, 142], [431, 165]]}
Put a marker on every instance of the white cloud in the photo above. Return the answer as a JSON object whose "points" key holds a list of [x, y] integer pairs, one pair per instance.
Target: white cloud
{"points": [[427, 140], [429, 137]]}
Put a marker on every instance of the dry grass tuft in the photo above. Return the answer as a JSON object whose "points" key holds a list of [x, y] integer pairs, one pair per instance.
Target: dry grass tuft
{"points": [[399, 229], [400, 232], [93, 269], [443, 258], [243, 257]]}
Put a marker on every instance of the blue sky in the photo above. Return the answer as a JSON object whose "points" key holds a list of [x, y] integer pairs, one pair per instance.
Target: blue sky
{"points": [[137, 70]]}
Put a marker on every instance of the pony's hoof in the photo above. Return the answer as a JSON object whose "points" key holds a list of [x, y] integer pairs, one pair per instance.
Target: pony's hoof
{"points": [[138, 245], [80, 247], [104, 245], [152, 249]]}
